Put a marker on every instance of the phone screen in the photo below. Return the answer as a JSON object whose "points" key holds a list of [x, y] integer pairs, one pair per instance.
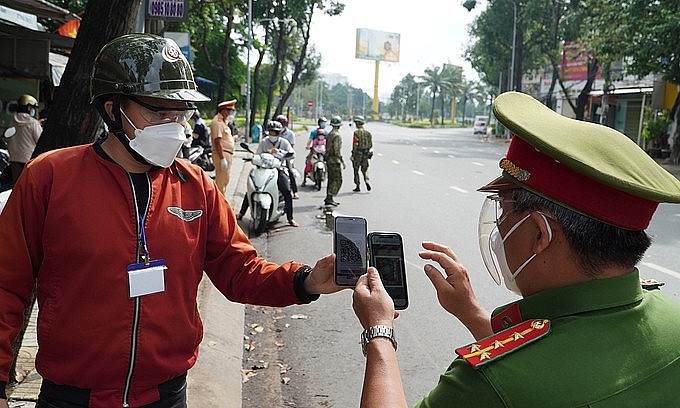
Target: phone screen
{"points": [[387, 256], [349, 245]]}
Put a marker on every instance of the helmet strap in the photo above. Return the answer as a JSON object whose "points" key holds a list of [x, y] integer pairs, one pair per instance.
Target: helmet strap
{"points": [[116, 126]]}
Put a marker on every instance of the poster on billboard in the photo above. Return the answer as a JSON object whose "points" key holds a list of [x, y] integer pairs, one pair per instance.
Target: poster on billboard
{"points": [[377, 45]]}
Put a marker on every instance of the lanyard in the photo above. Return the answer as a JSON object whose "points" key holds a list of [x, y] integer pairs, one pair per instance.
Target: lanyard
{"points": [[145, 256]]}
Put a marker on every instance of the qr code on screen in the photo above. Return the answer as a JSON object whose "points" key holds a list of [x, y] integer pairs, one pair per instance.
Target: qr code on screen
{"points": [[348, 251]]}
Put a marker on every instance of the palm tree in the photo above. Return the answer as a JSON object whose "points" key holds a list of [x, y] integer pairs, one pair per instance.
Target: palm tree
{"points": [[452, 79], [432, 79]]}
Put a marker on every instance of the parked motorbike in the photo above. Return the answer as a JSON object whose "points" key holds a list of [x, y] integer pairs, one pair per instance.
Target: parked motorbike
{"points": [[6, 181], [318, 168], [202, 157], [265, 203]]}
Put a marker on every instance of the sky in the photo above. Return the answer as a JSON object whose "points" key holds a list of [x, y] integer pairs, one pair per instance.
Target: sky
{"points": [[433, 32]]}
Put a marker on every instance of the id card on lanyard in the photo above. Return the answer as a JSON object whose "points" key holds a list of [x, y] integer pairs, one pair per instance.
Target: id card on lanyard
{"points": [[147, 277]]}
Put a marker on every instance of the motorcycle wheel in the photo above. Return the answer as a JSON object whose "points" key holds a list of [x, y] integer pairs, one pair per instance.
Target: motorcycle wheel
{"points": [[259, 219], [318, 176]]}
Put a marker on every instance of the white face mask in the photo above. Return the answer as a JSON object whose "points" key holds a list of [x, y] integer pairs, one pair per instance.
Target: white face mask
{"points": [[158, 144], [496, 243]]}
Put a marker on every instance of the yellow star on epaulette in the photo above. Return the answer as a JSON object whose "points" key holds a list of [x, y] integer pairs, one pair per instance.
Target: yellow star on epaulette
{"points": [[497, 344], [517, 336], [475, 347], [484, 356]]}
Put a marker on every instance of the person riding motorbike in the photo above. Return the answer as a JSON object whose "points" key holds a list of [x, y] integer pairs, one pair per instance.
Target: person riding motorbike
{"points": [[318, 147], [321, 124], [290, 137], [277, 146]]}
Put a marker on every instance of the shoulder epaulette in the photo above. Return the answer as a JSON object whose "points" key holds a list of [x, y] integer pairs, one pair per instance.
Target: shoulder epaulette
{"points": [[505, 342]]}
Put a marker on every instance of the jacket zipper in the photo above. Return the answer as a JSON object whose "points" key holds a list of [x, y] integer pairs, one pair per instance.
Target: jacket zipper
{"points": [[135, 320]]}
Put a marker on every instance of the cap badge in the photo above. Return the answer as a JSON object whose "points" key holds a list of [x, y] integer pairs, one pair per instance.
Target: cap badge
{"points": [[171, 53], [513, 170]]}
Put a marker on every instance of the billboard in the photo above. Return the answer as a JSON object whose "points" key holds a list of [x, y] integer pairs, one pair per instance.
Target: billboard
{"points": [[377, 45]]}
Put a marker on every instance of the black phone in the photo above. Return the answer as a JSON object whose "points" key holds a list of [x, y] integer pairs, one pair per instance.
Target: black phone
{"points": [[386, 254], [349, 246]]}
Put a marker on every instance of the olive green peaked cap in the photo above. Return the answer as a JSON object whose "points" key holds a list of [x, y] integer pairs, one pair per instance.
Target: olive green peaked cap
{"points": [[589, 168], [596, 151]]}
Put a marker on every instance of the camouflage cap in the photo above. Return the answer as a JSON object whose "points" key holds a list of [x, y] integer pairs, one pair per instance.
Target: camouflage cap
{"points": [[587, 167]]}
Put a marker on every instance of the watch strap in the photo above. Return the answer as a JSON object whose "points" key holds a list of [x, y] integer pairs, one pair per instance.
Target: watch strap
{"points": [[377, 331]]}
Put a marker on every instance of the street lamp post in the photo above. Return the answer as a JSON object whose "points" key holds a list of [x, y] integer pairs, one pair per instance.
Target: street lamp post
{"points": [[250, 45], [514, 39]]}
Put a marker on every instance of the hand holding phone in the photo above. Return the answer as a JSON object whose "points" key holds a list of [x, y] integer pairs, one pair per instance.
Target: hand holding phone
{"points": [[349, 246], [386, 254]]}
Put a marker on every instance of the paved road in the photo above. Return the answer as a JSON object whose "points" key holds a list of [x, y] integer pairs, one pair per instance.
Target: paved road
{"points": [[424, 187]]}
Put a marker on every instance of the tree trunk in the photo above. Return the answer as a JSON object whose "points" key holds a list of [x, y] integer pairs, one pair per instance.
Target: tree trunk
{"points": [[434, 100], [299, 64], [675, 137], [225, 66], [73, 120], [276, 66], [255, 100]]}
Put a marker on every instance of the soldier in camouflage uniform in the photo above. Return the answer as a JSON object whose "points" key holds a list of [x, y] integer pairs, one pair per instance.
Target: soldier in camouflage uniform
{"points": [[361, 153], [334, 161]]}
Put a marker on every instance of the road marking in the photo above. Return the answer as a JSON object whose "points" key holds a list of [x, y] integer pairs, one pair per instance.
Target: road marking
{"points": [[478, 164], [395, 162], [661, 269], [459, 189], [436, 152], [418, 173], [452, 156]]}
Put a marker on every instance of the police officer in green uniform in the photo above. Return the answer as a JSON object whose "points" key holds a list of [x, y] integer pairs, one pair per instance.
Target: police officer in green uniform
{"points": [[564, 227], [334, 161], [362, 143]]}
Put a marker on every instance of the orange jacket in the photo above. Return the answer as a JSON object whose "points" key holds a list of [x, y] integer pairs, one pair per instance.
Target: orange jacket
{"points": [[71, 222]]}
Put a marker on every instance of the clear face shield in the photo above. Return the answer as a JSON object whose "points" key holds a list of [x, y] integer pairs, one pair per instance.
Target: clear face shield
{"points": [[489, 217]]}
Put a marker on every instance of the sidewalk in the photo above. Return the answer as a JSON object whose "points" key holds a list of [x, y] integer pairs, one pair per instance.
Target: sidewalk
{"points": [[215, 380]]}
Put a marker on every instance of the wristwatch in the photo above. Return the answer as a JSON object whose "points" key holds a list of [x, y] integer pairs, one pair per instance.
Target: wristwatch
{"points": [[377, 331]]}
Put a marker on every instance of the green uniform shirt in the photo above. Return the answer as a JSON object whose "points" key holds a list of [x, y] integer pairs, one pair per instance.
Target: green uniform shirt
{"points": [[334, 147], [363, 140], [612, 344]]}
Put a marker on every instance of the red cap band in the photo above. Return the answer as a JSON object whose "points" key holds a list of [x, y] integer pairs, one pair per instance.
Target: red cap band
{"points": [[579, 192]]}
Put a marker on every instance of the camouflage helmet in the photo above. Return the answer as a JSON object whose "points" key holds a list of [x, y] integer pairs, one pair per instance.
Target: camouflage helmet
{"points": [[336, 121], [27, 100], [144, 65], [359, 120]]}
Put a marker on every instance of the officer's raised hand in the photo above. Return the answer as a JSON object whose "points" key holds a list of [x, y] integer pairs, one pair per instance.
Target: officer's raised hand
{"points": [[454, 291]]}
